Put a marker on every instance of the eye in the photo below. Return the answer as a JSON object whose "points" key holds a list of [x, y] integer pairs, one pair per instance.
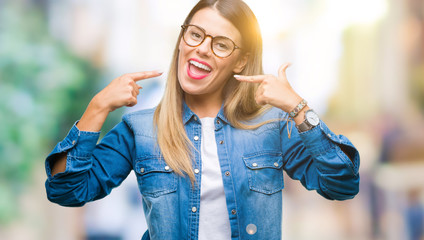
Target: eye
{"points": [[195, 34], [222, 44]]}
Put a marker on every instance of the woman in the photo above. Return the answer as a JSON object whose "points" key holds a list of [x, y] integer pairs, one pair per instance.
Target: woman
{"points": [[209, 159]]}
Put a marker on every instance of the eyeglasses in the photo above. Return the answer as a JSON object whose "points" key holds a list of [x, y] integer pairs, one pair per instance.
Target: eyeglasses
{"points": [[221, 46]]}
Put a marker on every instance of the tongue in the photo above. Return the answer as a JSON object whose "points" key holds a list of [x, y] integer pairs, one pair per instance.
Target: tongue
{"points": [[198, 71]]}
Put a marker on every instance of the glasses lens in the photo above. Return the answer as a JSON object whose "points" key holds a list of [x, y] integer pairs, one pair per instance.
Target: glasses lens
{"points": [[222, 46], [193, 35]]}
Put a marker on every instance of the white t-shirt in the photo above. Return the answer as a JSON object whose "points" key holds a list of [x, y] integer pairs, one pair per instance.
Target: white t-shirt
{"points": [[214, 221]]}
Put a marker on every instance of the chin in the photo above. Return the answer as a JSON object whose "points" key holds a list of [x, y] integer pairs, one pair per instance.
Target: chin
{"points": [[190, 86], [191, 90]]}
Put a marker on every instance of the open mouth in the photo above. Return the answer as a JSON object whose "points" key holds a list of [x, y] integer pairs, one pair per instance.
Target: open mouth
{"points": [[198, 70]]}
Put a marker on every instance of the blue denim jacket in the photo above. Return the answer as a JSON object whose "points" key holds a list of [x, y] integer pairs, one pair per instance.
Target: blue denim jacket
{"points": [[252, 164]]}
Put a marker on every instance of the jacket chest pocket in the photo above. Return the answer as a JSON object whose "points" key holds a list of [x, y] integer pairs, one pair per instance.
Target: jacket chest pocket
{"points": [[154, 177], [264, 170]]}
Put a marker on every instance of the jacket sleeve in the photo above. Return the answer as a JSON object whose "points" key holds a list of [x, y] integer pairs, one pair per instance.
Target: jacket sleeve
{"points": [[322, 161], [92, 170]]}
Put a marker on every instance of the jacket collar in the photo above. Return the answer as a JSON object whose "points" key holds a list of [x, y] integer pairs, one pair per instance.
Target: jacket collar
{"points": [[188, 114]]}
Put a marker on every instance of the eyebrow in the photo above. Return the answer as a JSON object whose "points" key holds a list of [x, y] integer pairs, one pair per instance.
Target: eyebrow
{"points": [[232, 38]]}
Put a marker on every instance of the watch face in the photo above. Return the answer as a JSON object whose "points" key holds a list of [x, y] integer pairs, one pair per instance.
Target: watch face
{"points": [[312, 117]]}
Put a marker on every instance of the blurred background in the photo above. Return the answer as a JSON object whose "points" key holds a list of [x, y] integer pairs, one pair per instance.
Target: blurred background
{"points": [[359, 63]]}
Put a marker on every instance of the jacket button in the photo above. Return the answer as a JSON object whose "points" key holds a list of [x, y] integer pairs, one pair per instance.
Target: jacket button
{"points": [[73, 142], [194, 209], [227, 173], [195, 118], [217, 121], [234, 212], [221, 142], [254, 164], [196, 138], [166, 168], [251, 229], [196, 171], [142, 170], [276, 164]]}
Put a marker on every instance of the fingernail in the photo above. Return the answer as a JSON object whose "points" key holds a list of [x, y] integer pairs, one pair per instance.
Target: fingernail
{"points": [[159, 71], [237, 76]]}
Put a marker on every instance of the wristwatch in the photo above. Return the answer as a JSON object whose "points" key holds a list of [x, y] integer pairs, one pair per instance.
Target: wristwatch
{"points": [[311, 121]]}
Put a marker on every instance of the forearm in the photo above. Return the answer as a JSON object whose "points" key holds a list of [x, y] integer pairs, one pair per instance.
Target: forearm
{"points": [[94, 117], [91, 121]]}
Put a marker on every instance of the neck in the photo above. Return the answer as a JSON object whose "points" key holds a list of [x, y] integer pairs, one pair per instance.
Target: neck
{"points": [[204, 106]]}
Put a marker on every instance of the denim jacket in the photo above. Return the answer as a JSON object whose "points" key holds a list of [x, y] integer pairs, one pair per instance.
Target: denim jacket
{"points": [[252, 164]]}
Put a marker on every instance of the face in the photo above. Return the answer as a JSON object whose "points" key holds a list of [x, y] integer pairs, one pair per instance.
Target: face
{"points": [[200, 72]]}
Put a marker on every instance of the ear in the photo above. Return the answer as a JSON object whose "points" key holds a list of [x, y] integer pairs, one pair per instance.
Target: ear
{"points": [[241, 63]]}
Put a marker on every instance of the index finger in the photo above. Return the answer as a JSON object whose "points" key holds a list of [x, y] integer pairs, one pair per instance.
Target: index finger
{"points": [[252, 79], [137, 76]]}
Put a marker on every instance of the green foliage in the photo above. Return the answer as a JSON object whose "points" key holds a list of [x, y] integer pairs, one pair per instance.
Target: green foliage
{"points": [[44, 88], [417, 84]]}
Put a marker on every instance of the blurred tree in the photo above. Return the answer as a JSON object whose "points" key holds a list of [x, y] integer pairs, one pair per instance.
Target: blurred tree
{"points": [[44, 88], [413, 27]]}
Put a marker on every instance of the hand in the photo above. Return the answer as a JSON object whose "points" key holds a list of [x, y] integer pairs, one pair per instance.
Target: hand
{"points": [[273, 90], [122, 91]]}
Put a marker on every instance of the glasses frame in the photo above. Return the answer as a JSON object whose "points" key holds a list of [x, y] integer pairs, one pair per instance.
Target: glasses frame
{"points": [[185, 27]]}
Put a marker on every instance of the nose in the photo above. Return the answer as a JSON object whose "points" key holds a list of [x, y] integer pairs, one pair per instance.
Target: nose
{"points": [[205, 47]]}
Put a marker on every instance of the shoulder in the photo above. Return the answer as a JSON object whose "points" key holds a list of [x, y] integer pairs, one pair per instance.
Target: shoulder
{"points": [[140, 121], [271, 113], [276, 112], [270, 119], [137, 115]]}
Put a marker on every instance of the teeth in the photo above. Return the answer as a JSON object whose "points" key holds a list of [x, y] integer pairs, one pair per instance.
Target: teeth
{"points": [[199, 65]]}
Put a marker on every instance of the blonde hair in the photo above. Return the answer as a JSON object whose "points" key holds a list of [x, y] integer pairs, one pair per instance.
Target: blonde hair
{"points": [[239, 106]]}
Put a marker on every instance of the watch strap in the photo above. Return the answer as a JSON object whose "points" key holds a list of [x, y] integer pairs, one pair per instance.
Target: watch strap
{"points": [[304, 126]]}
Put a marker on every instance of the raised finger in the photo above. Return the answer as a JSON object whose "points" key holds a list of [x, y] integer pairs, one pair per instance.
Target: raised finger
{"points": [[137, 76], [282, 71], [252, 79]]}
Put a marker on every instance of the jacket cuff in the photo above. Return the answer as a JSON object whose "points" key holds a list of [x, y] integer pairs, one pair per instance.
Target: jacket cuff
{"points": [[78, 144], [318, 139], [321, 140]]}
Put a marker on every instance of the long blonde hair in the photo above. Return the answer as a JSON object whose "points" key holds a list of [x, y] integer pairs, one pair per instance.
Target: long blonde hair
{"points": [[239, 105]]}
